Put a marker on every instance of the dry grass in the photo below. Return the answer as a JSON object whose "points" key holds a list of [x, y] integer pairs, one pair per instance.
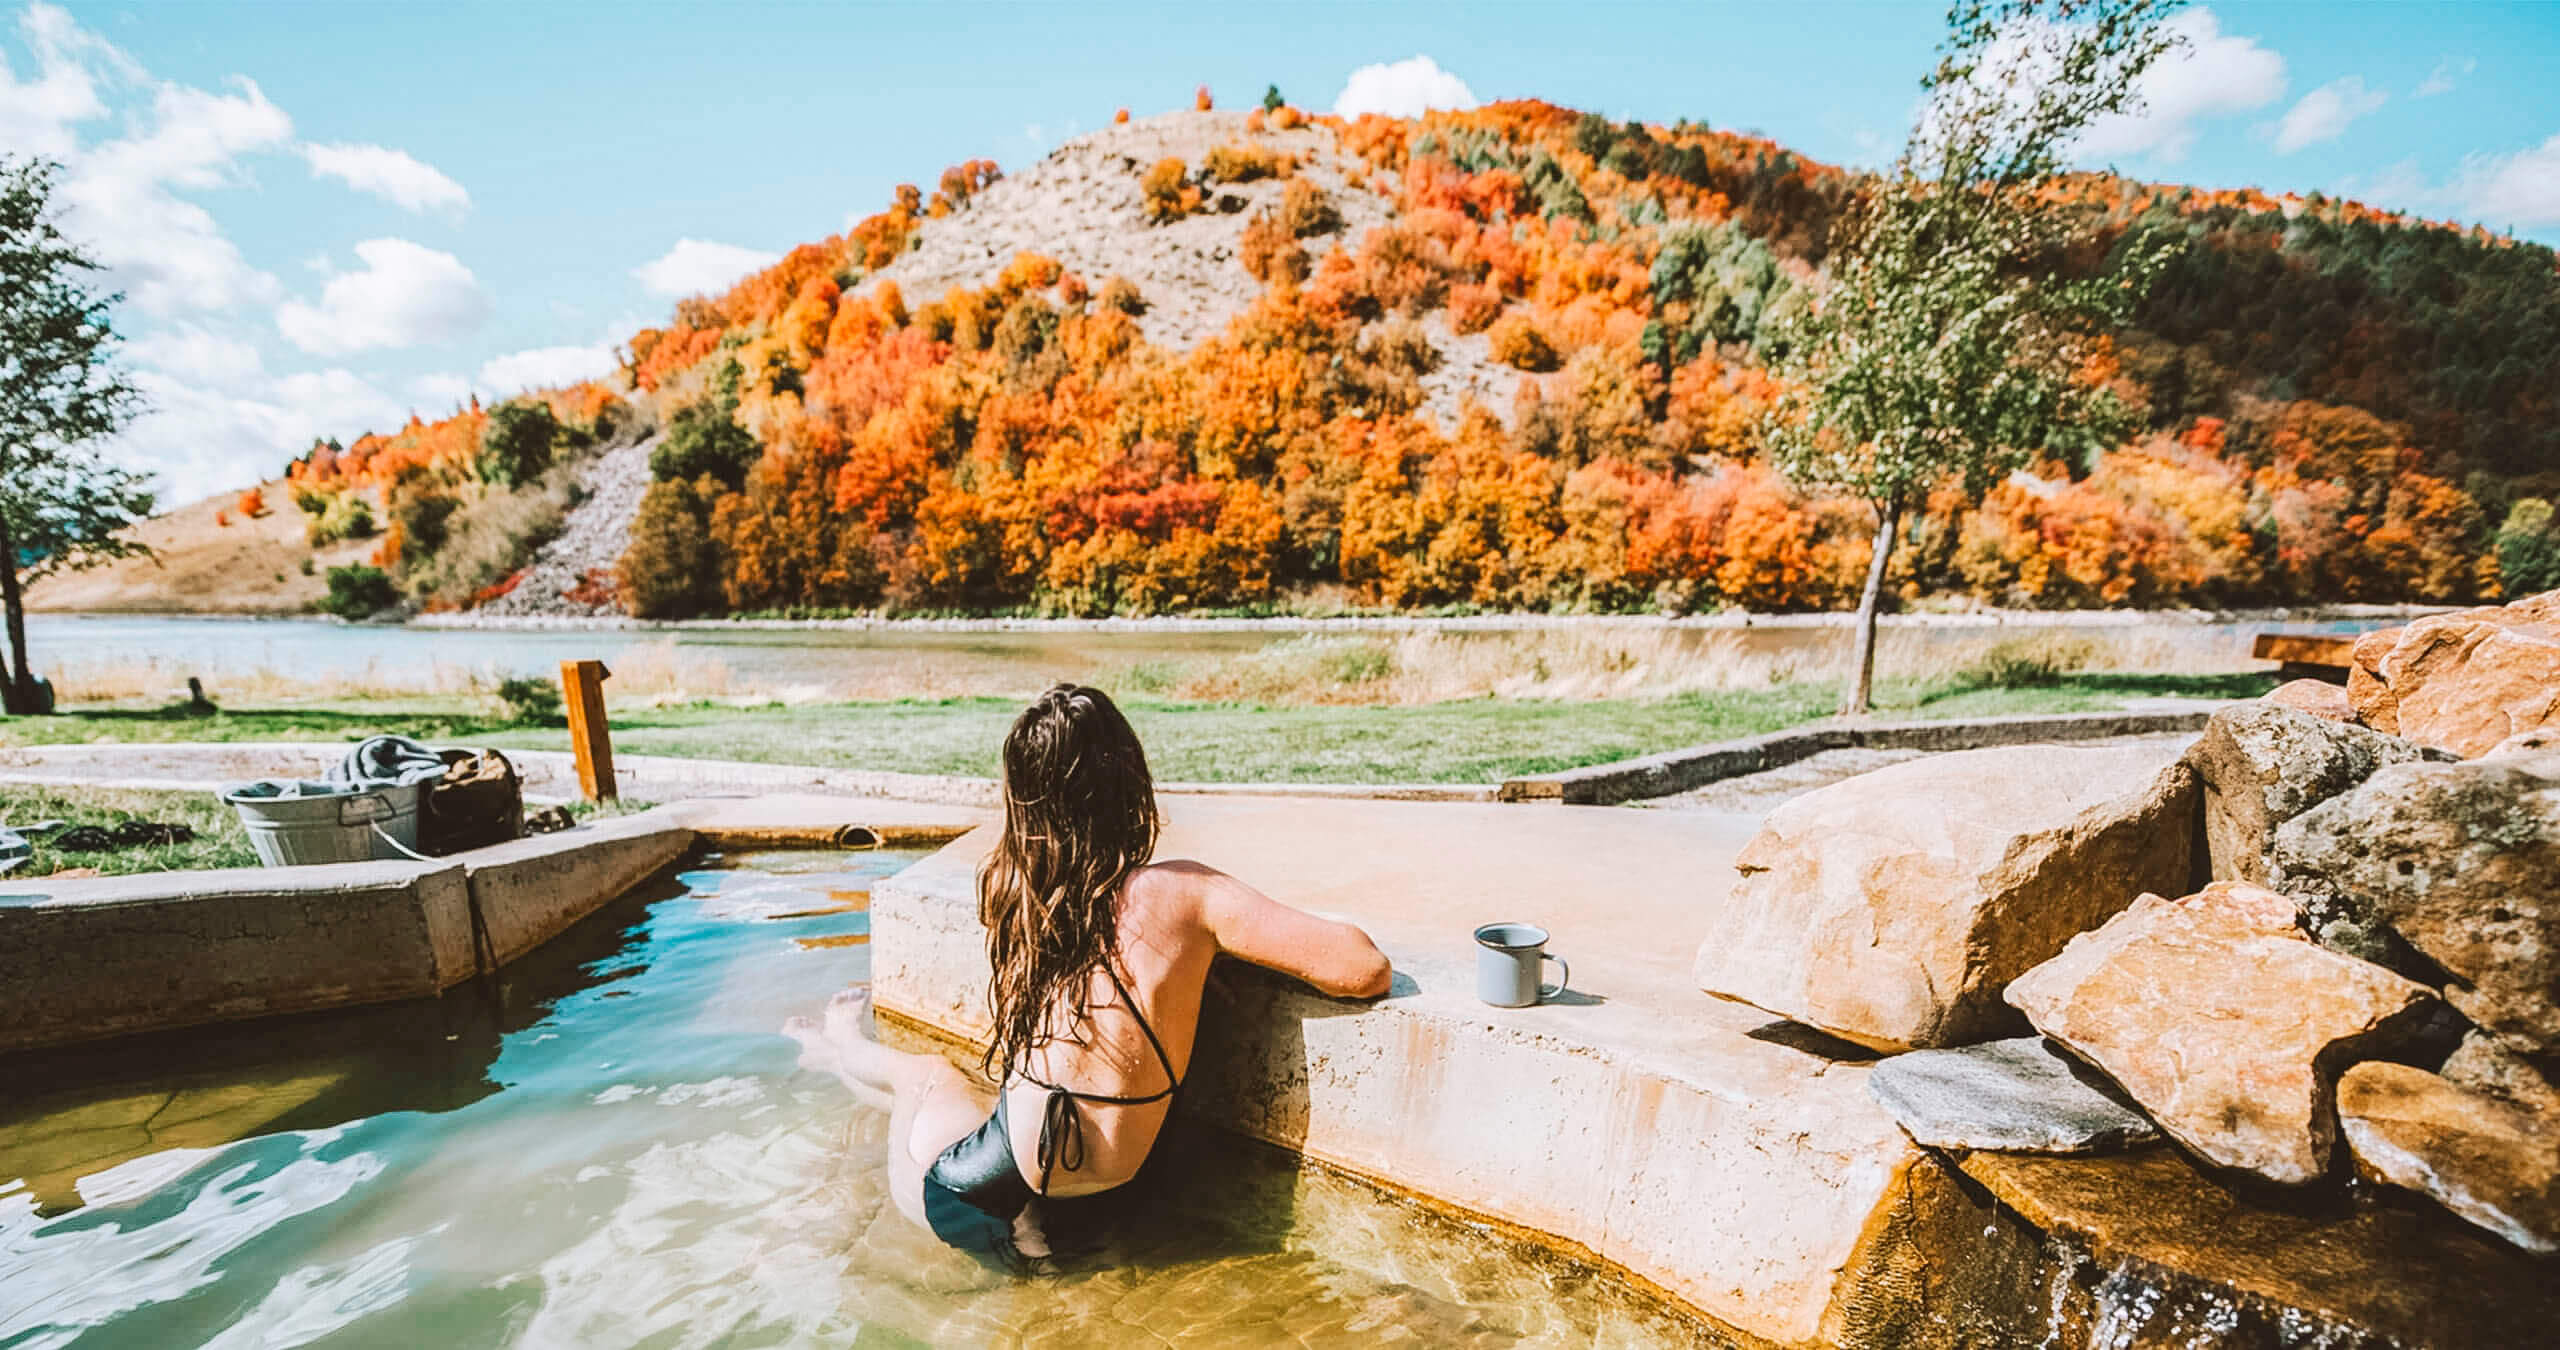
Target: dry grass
{"points": [[647, 675], [1569, 663], [1576, 663]]}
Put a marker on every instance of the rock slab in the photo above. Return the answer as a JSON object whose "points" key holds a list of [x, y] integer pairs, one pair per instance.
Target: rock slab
{"points": [[2020, 1095], [2222, 1020], [2262, 764], [1891, 909], [2490, 1161], [2316, 697], [2463, 862], [2463, 681]]}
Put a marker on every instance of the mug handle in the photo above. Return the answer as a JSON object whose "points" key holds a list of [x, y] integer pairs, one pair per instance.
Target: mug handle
{"points": [[1563, 973]]}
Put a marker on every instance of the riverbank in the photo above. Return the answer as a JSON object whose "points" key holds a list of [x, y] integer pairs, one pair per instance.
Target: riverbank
{"points": [[1407, 623], [1479, 740], [1355, 661]]}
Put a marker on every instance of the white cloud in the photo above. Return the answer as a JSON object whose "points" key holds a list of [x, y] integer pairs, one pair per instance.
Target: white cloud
{"points": [[405, 294], [37, 115], [1406, 88], [2442, 79], [441, 388], [699, 266], [2324, 113], [196, 353], [199, 439], [2214, 74], [542, 367], [2519, 191], [393, 175]]}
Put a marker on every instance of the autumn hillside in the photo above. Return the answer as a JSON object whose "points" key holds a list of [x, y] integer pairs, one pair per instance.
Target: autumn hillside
{"points": [[1515, 357]]}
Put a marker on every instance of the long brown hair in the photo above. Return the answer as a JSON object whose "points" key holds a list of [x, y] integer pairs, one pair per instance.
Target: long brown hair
{"points": [[1079, 817]]}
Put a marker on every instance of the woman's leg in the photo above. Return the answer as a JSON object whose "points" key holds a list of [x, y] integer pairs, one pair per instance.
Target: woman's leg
{"points": [[931, 1104]]}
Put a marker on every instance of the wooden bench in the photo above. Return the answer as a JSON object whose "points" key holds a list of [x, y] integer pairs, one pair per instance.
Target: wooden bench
{"points": [[2307, 656]]}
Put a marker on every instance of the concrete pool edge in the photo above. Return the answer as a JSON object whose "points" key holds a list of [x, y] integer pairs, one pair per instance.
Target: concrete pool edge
{"points": [[1669, 772], [1644, 1128], [95, 958]]}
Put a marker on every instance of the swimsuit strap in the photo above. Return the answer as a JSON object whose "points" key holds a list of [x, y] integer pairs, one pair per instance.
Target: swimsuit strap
{"points": [[1061, 1125]]}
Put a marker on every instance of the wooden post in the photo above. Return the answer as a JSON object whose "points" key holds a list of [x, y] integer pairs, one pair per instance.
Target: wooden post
{"points": [[590, 736]]}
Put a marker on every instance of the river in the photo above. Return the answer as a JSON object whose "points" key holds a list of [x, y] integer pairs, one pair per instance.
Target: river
{"points": [[116, 656]]}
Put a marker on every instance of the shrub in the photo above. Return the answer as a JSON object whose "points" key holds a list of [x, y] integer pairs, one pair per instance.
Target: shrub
{"points": [[1518, 343], [1305, 210], [2029, 662], [1169, 195], [1473, 307], [222, 520], [1270, 252], [420, 513], [2529, 549], [1287, 118], [670, 569], [1200, 99], [359, 592], [1246, 163], [517, 444], [346, 516], [484, 540], [1120, 295], [704, 439], [251, 504], [529, 702], [1120, 118]]}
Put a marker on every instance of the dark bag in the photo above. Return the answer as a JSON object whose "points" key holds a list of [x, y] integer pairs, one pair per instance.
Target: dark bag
{"points": [[478, 802]]}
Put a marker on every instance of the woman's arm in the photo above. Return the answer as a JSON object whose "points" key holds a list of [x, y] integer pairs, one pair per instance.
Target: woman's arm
{"points": [[1337, 958]]}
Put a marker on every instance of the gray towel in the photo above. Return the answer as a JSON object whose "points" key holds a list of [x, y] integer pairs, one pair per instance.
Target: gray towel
{"points": [[387, 761]]}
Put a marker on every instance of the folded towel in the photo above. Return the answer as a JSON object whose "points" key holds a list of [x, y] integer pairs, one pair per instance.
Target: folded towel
{"points": [[388, 761]]}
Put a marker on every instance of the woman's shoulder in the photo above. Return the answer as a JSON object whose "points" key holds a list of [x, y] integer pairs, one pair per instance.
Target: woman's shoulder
{"points": [[1169, 882]]}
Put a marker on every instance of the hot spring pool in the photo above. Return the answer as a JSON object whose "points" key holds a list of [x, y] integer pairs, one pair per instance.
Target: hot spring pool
{"points": [[615, 1148]]}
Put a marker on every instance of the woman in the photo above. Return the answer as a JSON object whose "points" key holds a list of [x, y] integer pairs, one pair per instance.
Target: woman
{"points": [[1099, 958]]}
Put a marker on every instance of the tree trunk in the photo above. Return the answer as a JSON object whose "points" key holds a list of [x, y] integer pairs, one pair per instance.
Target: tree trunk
{"points": [[1862, 682], [20, 695]]}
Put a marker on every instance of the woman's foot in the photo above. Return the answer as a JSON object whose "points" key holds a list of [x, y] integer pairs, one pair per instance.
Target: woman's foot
{"points": [[840, 1043]]}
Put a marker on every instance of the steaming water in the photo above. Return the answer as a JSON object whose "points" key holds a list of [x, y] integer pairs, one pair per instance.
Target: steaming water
{"points": [[614, 1148]]}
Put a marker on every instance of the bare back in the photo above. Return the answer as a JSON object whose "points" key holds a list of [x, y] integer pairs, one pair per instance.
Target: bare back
{"points": [[1175, 919]]}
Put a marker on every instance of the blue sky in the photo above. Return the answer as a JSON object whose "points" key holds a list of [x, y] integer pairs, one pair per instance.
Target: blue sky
{"points": [[326, 215]]}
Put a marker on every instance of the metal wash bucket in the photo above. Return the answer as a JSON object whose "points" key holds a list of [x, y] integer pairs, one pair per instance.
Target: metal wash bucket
{"points": [[291, 823]]}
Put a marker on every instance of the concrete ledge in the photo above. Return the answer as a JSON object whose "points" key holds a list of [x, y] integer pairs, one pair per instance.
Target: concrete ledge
{"points": [[1661, 775], [81, 960], [524, 893], [824, 820], [88, 959], [1677, 1138]]}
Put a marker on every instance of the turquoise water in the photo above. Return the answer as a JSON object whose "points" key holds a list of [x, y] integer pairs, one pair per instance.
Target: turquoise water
{"points": [[615, 1148]]}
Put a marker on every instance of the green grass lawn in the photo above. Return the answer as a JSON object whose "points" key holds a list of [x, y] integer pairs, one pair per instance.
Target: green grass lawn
{"points": [[219, 841], [1467, 741]]}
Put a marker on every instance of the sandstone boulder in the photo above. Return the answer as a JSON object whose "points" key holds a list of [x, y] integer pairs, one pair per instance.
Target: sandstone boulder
{"points": [[2491, 1161], [2260, 765], [2463, 681], [1892, 908], [2019, 1095], [2462, 861], [2222, 1020], [2482, 1062], [2316, 697]]}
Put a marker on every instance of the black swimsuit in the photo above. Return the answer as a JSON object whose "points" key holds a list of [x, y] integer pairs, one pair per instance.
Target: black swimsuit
{"points": [[973, 1192]]}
